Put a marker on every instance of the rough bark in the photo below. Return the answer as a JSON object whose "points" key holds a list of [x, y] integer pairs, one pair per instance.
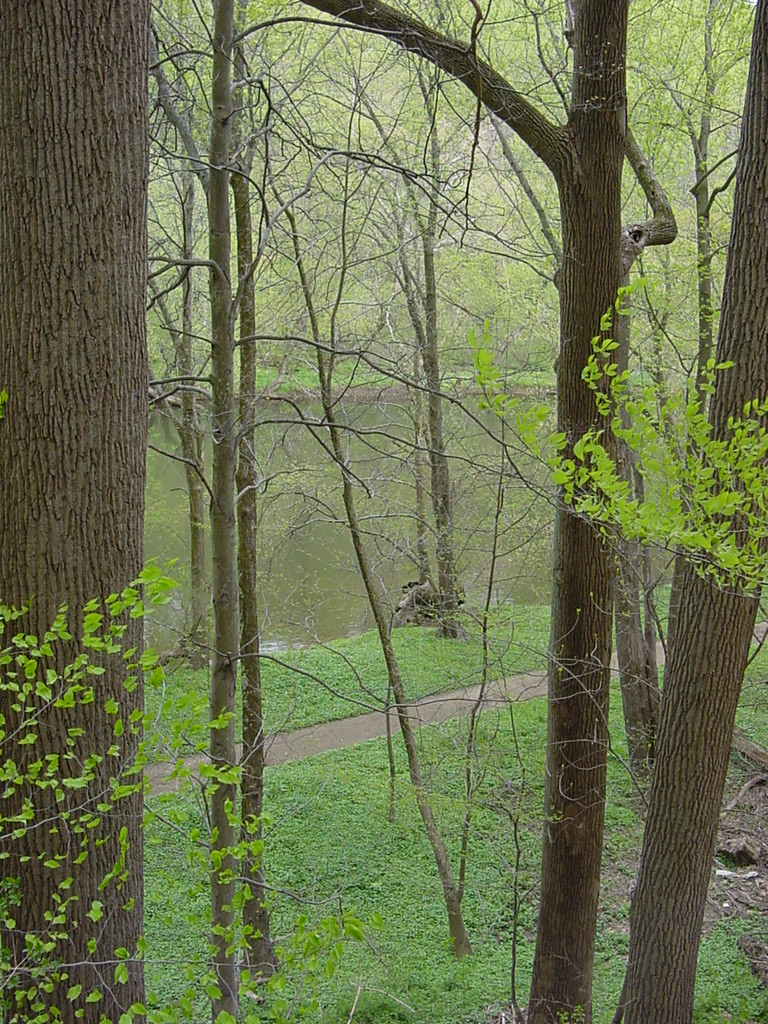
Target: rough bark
{"points": [[580, 644], [259, 956], [710, 632], [73, 250], [223, 532]]}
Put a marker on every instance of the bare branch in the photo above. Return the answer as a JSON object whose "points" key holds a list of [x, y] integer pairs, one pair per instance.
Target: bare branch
{"points": [[174, 116], [457, 59], [546, 227], [661, 229]]}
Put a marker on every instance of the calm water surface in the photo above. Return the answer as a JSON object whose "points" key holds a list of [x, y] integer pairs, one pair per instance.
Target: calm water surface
{"points": [[310, 589]]}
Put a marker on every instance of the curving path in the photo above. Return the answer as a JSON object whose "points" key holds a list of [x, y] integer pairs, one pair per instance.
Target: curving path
{"points": [[346, 732]]}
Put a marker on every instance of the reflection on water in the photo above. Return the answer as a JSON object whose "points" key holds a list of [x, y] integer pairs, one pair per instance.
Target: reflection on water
{"points": [[310, 589]]}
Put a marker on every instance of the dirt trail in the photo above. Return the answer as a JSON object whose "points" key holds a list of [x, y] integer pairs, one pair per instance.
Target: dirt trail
{"points": [[346, 732]]}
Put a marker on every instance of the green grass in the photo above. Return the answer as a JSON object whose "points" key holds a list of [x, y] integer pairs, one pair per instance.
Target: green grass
{"points": [[332, 844], [348, 676], [351, 373]]}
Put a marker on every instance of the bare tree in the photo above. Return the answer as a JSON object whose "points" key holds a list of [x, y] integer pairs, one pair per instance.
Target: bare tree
{"points": [[183, 385], [260, 955], [452, 892]]}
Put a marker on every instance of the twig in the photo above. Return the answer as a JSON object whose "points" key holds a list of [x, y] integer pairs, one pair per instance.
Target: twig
{"points": [[354, 1005]]}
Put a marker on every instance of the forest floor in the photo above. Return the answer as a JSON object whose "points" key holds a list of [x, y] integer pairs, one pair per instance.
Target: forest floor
{"points": [[330, 842], [744, 819], [433, 709]]}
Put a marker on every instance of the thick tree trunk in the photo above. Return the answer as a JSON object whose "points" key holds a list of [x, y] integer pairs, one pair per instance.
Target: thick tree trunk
{"points": [[260, 956], [223, 535], [73, 250], [710, 632], [191, 438], [580, 645]]}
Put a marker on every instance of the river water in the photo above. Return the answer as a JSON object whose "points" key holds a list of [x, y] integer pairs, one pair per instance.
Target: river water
{"points": [[310, 589]]}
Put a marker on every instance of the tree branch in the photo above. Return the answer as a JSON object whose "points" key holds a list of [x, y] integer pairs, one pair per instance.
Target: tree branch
{"points": [[544, 221], [457, 59], [661, 229], [171, 111]]}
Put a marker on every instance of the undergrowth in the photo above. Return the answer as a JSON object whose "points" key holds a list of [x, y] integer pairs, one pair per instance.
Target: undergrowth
{"points": [[330, 847]]}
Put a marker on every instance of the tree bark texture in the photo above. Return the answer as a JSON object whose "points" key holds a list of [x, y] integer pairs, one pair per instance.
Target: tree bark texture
{"points": [[223, 526], [73, 251], [580, 644], [710, 631], [260, 956]]}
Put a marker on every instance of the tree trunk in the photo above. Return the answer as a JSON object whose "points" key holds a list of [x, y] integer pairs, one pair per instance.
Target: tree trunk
{"points": [[640, 694], [580, 644], [442, 503], [260, 956], [704, 270], [191, 438], [585, 158], [459, 939], [422, 543], [223, 536], [701, 193], [710, 632], [426, 332], [73, 251], [637, 671], [460, 943]]}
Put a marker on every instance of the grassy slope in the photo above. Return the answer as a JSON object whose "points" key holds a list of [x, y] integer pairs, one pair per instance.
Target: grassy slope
{"points": [[331, 841], [348, 677]]}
